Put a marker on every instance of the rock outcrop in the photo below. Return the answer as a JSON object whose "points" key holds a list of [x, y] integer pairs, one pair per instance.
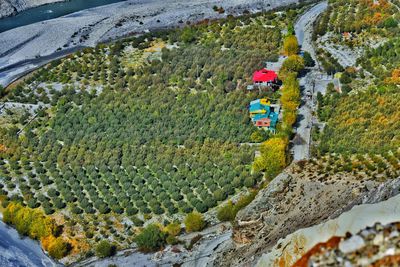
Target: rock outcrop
{"points": [[373, 246], [12, 7], [296, 200]]}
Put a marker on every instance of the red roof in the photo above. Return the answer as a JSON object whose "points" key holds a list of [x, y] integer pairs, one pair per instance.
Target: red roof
{"points": [[264, 76]]}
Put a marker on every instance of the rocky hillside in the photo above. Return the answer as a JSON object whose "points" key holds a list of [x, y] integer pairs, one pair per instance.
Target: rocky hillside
{"points": [[12, 7], [300, 197], [373, 246]]}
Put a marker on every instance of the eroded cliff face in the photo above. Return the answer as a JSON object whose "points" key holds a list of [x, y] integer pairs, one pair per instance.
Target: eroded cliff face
{"points": [[12, 7], [6, 9], [292, 201]]}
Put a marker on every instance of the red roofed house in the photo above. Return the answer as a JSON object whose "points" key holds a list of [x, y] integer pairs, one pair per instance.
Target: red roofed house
{"points": [[265, 77]]}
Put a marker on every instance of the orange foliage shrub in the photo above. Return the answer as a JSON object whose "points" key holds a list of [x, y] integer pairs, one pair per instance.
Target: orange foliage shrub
{"points": [[3, 148], [395, 78]]}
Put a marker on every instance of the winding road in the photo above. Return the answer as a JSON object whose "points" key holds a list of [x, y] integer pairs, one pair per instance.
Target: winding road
{"points": [[312, 83]]}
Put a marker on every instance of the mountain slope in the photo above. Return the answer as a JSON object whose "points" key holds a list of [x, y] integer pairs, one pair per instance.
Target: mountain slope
{"points": [[12, 7]]}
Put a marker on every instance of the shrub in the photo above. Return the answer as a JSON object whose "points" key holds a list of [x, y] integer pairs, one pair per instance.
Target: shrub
{"points": [[150, 239], [226, 212], [194, 222], [172, 240], [173, 229], [105, 249], [56, 246]]}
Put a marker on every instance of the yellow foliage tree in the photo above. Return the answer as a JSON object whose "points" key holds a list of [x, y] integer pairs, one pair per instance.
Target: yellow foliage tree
{"points": [[273, 156], [290, 98], [58, 248], [290, 45], [289, 117], [35, 224]]}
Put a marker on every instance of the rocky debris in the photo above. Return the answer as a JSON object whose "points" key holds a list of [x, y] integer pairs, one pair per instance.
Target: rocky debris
{"points": [[374, 246], [12, 7], [6, 9], [295, 200], [352, 244], [296, 248]]}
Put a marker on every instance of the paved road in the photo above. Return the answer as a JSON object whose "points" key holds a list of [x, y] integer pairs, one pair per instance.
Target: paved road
{"points": [[13, 72], [309, 84], [305, 21]]}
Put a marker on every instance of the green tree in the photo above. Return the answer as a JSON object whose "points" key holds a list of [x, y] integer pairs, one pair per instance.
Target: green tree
{"points": [[308, 60], [150, 239], [258, 136], [293, 63], [105, 249]]}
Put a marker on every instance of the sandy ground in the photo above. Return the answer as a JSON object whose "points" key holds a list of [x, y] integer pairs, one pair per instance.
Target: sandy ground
{"points": [[20, 46]]}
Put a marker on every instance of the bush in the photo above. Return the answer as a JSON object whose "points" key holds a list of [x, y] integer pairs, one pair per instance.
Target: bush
{"points": [[150, 239], [172, 240], [226, 212], [57, 247], [105, 249], [194, 222], [173, 229]]}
